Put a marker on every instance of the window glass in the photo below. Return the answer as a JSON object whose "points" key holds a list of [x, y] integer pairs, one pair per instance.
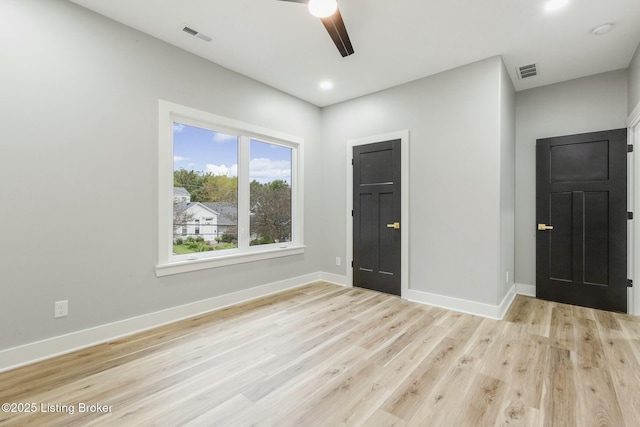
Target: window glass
{"points": [[205, 190], [270, 193]]}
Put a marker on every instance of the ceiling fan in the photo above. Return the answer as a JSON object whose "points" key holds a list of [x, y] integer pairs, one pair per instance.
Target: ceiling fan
{"points": [[327, 11]]}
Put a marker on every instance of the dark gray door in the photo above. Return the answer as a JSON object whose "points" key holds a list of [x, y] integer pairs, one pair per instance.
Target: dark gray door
{"points": [[376, 216], [581, 205]]}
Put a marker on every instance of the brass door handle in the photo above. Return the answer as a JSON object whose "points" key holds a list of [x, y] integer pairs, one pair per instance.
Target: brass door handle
{"points": [[543, 227], [395, 225]]}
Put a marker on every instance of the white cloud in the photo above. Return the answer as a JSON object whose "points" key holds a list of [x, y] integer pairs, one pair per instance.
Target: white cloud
{"points": [[177, 127], [177, 159], [221, 138], [267, 170], [262, 170], [223, 170]]}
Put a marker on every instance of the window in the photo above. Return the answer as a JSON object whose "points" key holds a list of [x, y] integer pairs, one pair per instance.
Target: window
{"points": [[270, 193], [205, 164], [229, 191]]}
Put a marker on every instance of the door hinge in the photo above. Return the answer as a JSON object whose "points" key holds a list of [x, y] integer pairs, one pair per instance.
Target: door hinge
{"points": [[351, 264], [629, 283], [629, 215], [629, 148], [351, 212], [351, 162]]}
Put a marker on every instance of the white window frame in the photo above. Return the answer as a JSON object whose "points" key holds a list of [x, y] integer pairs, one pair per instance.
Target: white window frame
{"points": [[169, 264]]}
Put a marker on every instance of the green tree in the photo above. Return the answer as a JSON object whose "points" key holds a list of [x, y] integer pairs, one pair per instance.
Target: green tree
{"points": [[207, 187], [191, 181], [271, 211], [219, 188]]}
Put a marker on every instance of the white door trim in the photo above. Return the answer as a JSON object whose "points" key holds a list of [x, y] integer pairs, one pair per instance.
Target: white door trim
{"points": [[403, 136], [634, 206]]}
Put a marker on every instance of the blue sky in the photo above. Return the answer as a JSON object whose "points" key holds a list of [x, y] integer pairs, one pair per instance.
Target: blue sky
{"points": [[204, 150]]}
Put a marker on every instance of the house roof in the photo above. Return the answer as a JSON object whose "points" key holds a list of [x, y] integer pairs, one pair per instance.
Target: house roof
{"points": [[180, 192], [184, 206], [227, 212]]}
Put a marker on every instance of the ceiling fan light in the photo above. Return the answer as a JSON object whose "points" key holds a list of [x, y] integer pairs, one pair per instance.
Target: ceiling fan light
{"points": [[322, 8]]}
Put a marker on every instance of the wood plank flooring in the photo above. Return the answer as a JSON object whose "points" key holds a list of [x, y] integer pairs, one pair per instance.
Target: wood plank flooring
{"points": [[325, 355]]}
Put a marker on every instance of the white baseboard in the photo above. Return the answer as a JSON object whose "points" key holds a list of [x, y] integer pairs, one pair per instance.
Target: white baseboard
{"points": [[40, 350], [528, 290], [464, 306], [507, 301], [336, 279]]}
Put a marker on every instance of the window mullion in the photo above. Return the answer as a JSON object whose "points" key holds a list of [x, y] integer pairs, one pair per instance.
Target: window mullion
{"points": [[243, 193], [296, 196]]}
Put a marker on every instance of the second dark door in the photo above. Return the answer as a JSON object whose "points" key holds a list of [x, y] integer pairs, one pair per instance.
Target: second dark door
{"points": [[581, 244], [376, 216]]}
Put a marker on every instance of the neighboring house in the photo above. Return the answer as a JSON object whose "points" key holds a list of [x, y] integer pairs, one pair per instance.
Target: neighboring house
{"points": [[180, 194], [227, 216], [193, 219]]}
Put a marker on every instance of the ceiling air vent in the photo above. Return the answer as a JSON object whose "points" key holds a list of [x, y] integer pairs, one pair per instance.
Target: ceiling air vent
{"points": [[197, 34], [527, 71]]}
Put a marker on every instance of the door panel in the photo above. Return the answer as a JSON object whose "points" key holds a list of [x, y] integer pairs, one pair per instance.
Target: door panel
{"points": [[376, 204], [596, 243], [560, 242], [375, 168], [367, 220], [581, 188], [577, 232], [386, 263], [587, 161]]}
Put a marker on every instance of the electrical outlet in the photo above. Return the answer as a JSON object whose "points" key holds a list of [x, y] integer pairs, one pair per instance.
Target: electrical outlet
{"points": [[61, 308], [338, 260]]}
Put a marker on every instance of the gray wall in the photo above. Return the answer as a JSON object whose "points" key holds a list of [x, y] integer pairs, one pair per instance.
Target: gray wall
{"points": [[634, 81], [583, 105], [78, 180], [455, 175]]}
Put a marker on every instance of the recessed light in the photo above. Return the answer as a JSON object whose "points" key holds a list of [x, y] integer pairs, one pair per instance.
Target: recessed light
{"points": [[553, 5], [326, 85], [602, 29]]}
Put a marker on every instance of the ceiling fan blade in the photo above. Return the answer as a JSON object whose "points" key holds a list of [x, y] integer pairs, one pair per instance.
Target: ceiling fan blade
{"points": [[338, 32], [336, 29]]}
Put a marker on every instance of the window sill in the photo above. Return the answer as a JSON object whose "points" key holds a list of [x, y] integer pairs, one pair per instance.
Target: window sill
{"points": [[186, 266]]}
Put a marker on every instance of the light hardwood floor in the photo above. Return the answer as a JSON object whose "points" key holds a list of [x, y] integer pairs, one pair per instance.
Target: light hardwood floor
{"points": [[331, 356]]}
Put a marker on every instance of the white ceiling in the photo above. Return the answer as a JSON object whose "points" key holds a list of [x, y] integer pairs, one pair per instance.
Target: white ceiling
{"points": [[280, 44]]}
